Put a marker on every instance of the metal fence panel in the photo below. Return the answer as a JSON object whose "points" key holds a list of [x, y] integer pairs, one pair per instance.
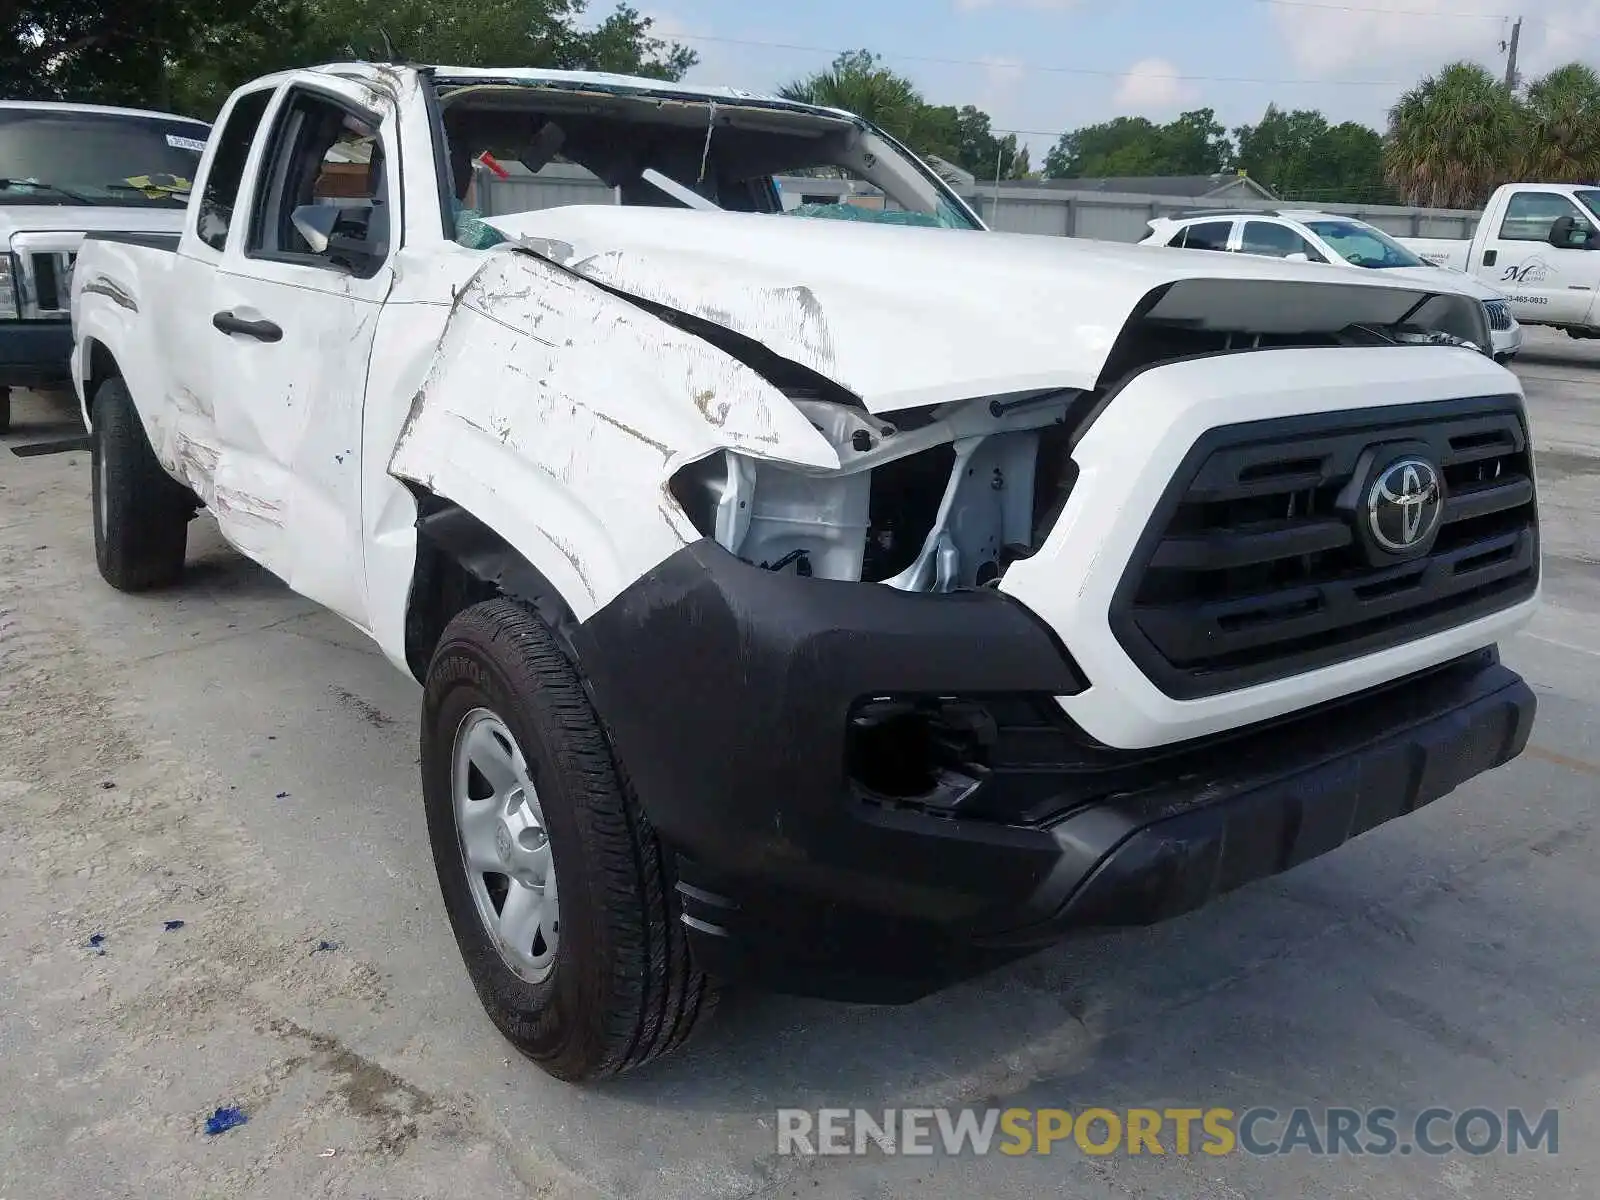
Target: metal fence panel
{"points": [[1113, 222]]}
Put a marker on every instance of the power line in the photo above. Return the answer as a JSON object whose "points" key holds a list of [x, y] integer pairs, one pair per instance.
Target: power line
{"points": [[990, 64]]}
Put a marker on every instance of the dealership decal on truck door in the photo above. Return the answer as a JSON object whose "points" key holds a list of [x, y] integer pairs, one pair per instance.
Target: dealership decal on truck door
{"points": [[1535, 270]]}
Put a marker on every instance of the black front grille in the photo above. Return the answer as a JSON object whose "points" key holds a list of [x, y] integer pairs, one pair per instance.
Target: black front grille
{"points": [[1252, 568], [1499, 315], [52, 280]]}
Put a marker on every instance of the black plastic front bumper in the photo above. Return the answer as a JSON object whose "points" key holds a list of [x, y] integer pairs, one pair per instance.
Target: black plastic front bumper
{"points": [[35, 353], [730, 693]]}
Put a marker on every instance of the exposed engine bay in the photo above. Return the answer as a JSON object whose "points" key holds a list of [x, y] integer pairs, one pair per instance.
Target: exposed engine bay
{"points": [[945, 498], [927, 501]]}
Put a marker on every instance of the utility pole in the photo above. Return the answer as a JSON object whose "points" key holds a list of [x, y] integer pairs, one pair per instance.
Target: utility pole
{"points": [[1511, 56], [999, 159]]}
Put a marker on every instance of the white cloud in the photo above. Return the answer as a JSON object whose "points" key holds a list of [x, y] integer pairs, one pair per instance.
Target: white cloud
{"points": [[1405, 39], [1151, 86]]}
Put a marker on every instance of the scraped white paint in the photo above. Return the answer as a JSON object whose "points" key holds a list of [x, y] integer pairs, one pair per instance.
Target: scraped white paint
{"points": [[557, 414]]}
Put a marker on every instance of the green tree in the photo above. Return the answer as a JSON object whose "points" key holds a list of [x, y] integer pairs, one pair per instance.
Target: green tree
{"points": [[1300, 157], [1281, 150], [1353, 159], [980, 152], [1121, 146], [110, 52], [1453, 138], [188, 54], [858, 82], [1194, 144], [1563, 127]]}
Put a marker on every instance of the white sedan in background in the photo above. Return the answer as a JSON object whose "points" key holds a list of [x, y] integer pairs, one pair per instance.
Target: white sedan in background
{"points": [[1319, 237]]}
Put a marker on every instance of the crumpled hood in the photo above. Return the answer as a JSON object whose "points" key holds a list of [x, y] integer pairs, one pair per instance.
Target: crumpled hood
{"points": [[1445, 280], [904, 317]]}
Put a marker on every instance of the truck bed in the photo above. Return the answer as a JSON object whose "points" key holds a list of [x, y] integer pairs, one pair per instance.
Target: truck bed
{"points": [[129, 275], [1441, 252]]}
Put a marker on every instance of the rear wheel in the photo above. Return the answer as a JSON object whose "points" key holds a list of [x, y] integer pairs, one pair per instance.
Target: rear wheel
{"points": [[5, 410], [141, 514], [560, 895]]}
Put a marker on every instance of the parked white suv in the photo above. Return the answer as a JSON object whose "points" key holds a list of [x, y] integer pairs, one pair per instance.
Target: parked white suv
{"points": [[1320, 237]]}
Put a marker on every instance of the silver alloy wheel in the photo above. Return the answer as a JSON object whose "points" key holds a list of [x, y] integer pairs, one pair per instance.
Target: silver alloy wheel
{"points": [[504, 845]]}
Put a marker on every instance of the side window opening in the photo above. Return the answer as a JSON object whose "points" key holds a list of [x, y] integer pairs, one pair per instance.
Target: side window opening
{"points": [[214, 216], [1530, 216], [325, 201], [1276, 241], [1206, 235]]}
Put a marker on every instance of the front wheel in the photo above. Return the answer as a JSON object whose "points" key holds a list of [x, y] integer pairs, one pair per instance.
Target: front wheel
{"points": [[559, 893], [141, 514]]}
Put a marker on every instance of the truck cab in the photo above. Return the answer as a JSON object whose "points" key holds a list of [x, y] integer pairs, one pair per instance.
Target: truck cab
{"points": [[1536, 243], [70, 169]]}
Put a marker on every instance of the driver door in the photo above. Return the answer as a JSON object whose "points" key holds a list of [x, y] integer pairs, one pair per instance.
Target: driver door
{"points": [[1544, 284], [292, 326]]}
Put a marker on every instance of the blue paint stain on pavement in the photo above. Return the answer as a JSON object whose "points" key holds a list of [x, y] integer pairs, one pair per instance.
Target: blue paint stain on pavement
{"points": [[225, 1118]]}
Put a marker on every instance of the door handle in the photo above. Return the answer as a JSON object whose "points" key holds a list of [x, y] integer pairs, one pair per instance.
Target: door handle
{"points": [[1489, 257], [262, 331]]}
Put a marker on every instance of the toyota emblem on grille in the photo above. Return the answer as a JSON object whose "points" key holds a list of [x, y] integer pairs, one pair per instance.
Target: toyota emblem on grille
{"points": [[1404, 505]]}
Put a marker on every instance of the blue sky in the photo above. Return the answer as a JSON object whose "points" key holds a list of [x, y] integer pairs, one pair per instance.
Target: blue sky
{"points": [[1350, 59]]}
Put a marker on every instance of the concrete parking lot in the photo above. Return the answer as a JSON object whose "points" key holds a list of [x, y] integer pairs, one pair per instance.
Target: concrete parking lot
{"points": [[228, 756]]}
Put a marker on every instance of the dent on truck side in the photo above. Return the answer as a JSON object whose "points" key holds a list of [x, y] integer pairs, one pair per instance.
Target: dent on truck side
{"points": [[556, 413], [108, 320]]}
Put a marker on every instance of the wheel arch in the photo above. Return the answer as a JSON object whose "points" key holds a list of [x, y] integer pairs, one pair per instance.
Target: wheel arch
{"points": [[460, 562], [99, 365]]}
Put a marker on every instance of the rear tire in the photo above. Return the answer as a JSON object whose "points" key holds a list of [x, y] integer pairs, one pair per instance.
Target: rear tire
{"points": [[141, 514], [5, 410], [618, 987]]}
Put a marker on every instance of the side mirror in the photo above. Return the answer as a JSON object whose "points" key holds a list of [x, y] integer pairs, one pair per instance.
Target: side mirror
{"points": [[1297, 256], [315, 223], [1568, 233]]}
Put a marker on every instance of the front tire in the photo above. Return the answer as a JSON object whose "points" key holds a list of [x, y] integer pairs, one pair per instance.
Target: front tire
{"points": [[591, 978], [141, 514]]}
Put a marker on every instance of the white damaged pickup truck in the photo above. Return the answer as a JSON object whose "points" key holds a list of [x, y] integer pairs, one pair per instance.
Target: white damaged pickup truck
{"points": [[843, 606]]}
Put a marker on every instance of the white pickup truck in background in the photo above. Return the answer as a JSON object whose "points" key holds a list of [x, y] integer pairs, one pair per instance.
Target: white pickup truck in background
{"points": [[1539, 245], [832, 606], [66, 170]]}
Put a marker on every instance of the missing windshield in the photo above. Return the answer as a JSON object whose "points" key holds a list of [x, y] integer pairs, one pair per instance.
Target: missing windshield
{"points": [[519, 147]]}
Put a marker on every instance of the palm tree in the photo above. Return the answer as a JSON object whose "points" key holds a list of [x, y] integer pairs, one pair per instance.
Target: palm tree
{"points": [[858, 84], [1563, 114], [1453, 138]]}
